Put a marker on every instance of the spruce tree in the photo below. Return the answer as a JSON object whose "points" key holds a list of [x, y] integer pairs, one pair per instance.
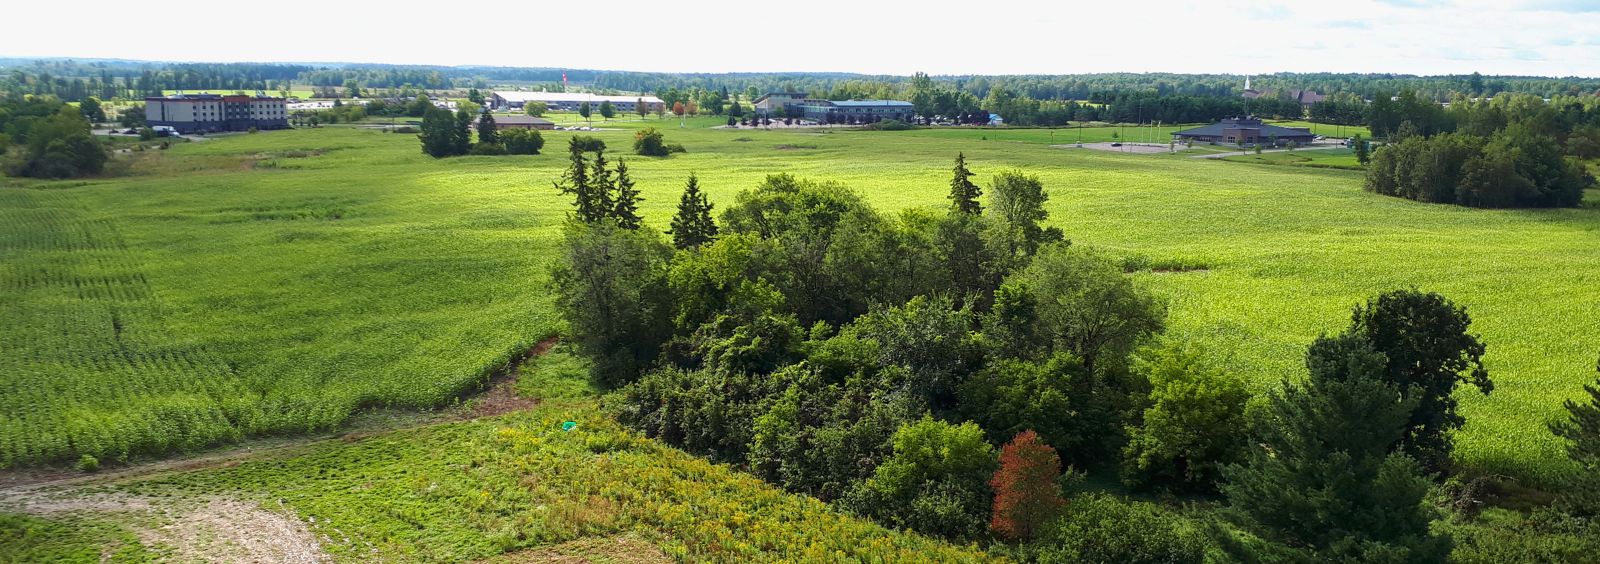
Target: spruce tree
{"points": [[963, 193], [626, 208], [1582, 429], [462, 135], [576, 182], [488, 132], [692, 226], [1322, 480], [601, 188]]}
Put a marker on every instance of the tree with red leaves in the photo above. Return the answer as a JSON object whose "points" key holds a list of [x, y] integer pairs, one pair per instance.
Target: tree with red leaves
{"points": [[1027, 491]]}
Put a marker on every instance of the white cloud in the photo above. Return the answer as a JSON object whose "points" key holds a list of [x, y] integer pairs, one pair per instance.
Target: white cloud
{"points": [[937, 36]]}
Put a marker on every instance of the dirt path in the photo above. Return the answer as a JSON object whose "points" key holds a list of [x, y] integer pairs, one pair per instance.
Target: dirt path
{"points": [[215, 529]]}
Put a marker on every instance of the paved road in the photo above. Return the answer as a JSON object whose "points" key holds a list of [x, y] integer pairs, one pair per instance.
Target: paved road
{"points": [[1252, 152]]}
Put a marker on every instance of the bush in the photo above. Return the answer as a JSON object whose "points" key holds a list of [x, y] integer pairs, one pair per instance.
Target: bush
{"points": [[650, 143], [1194, 425], [522, 141], [488, 149], [936, 482], [889, 125], [676, 148], [1100, 528], [252, 130], [405, 129], [88, 463]]}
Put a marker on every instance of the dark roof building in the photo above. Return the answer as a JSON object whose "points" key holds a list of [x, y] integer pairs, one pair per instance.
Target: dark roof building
{"points": [[523, 122], [1245, 131]]}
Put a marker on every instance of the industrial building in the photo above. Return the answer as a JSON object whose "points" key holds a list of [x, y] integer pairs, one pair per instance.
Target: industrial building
{"points": [[1245, 131], [569, 101], [192, 113]]}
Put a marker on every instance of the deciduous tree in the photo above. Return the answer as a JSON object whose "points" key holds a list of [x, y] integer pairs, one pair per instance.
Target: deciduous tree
{"points": [[1027, 493]]}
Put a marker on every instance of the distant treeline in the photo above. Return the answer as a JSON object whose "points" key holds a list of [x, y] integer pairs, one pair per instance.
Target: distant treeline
{"points": [[74, 79]]}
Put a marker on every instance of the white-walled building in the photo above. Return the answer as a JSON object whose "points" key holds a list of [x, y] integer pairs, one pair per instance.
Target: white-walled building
{"points": [[569, 101], [189, 113]]}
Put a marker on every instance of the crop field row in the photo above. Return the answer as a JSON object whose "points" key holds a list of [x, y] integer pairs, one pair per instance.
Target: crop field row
{"points": [[362, 273]]}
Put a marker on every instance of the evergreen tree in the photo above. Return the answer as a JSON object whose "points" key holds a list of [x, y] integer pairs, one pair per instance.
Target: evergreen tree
{"points": [[602, 187], [626, 208], [1323, 480], [576, 182], [963, 193], [692, 226], [488, 132], [1582, 429], [462, 135]]}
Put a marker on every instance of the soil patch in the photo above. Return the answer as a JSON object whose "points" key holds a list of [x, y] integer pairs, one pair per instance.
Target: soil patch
{"points": [[209, 530]]}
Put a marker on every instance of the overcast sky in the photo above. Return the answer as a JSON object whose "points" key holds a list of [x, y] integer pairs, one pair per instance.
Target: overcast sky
{"points": [[1526, 37]]}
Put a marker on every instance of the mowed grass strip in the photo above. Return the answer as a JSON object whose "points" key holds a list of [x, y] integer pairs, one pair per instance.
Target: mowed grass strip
{"points": [[355, 271]]}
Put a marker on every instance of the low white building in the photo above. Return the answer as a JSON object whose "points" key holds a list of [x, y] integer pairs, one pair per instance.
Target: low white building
{"points": [[571, 100]]}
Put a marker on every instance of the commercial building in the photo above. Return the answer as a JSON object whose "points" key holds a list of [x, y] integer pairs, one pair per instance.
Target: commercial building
{"points": [[523, 122], [1245, 131], [569, 101], [191, 113], [766, 104], [795, 104]]}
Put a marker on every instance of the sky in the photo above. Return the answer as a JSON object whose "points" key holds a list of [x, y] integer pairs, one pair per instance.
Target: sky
{"points": [[1521, 37]]}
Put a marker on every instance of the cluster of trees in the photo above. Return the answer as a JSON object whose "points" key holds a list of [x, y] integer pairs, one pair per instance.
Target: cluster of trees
{"points": [[444, 134], [945, 371], [1513, 151], [42, 137]]}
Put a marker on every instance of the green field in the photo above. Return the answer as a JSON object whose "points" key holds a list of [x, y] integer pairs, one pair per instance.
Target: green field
{"points": [[276, 283], [1319, 158]]}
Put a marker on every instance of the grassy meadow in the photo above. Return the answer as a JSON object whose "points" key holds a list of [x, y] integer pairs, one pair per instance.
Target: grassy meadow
{"points": [[276, 283]]}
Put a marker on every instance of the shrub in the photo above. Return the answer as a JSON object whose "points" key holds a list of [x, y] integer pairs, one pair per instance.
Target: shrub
{"points": [[488, 149], [87, 463], [522, 141], [1100, 528], [935, 482], [251, 130], [1194, 425], [890, 125], [405, 129], [650, 143], [1027, 489], [676, 148]]}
